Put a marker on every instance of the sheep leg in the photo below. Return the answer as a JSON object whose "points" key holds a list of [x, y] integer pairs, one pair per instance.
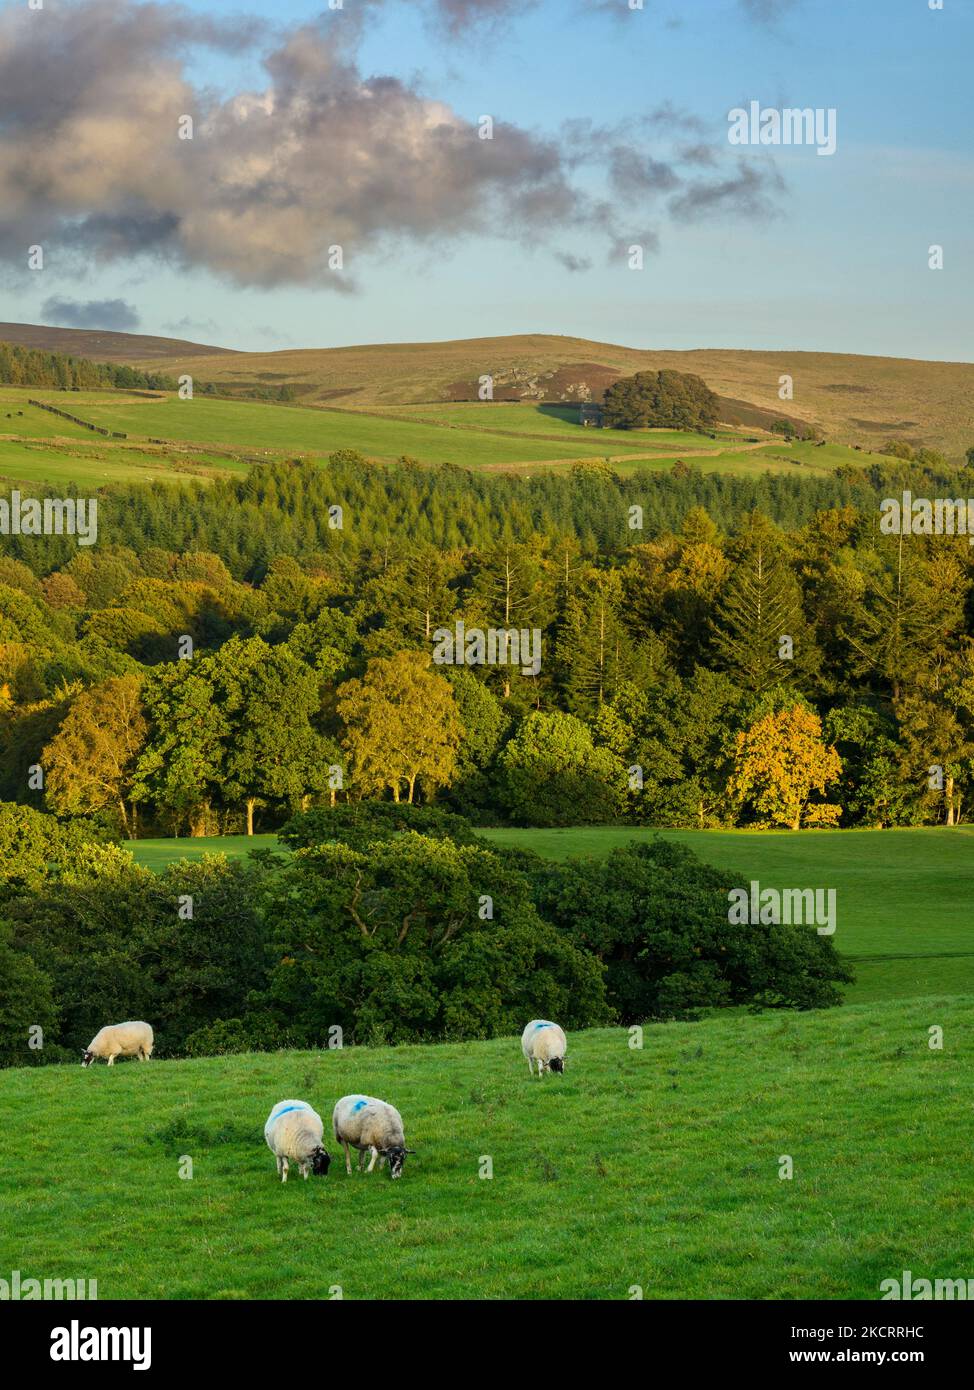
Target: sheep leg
{"points": [[375, 1155], [348, 1159], [305, 1170], [361, 1159], [284, 1169], [530, 1067], [111, 1060]]}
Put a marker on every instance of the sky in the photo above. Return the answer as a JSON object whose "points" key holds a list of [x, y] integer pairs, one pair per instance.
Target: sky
{"points": [[360, 127]]}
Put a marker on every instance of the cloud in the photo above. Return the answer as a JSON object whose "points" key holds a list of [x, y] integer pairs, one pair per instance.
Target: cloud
{"points": [[746, 193], [464, 14], [112, 314], [317, 157], [573, 263]]}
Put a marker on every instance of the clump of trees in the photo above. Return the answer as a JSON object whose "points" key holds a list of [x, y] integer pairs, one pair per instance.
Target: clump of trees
{"points": [[660, 400], [21, 366]]}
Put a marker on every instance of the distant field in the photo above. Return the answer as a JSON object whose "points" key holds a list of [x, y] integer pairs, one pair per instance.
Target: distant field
{"points": [[656, 1166], [902, 896], [206, 437], [559, 422], [863, 400]]}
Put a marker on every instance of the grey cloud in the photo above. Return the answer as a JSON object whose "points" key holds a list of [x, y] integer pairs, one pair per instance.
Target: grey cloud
{"points": [[114, 314], [573, 263], [317, 156], [747, 193]]}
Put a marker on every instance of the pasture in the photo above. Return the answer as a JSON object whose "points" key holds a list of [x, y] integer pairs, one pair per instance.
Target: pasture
{"points": [[902, 896], [656, 1167], [205, 437]]}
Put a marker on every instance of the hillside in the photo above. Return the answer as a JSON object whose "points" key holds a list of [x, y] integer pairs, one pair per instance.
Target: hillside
{"points": [[856, 400], [101, 345], [656, 1167]]}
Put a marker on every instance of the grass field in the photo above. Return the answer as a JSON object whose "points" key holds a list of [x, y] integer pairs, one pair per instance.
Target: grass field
{"points": [[656, 1167], [206, 437], [902, 896], [859, 399]]}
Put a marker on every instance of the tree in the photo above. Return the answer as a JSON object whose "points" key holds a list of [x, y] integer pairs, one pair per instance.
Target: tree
{"points": [[911, 607], [400, 726], [762, 636], [392, 944], [779, 763], [180, 768], [657, 919], [268, 698], [551, 773], [660, 400], [26, 1004], [90, 762]]}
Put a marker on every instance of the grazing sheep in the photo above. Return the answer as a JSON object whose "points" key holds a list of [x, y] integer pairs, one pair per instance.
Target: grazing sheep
{"points": [[546, 1044], [120, 1040], [366, 1123], [294, 1132]]}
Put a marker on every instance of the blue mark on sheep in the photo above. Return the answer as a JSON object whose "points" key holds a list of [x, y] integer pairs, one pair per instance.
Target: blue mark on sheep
{"points": [[287, 1108], [543, 1025], [359, 1105]]}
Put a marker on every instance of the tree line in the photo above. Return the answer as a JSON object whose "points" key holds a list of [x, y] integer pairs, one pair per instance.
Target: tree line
{"points": [[22, 366], [721, 670]]}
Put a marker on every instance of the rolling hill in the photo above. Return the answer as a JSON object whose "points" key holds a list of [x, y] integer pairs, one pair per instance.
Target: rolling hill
{"points": [[856, 400], [101, 345]]}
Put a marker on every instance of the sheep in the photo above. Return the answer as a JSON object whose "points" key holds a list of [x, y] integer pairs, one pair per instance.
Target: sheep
{"points": [[366, 1123], [294, 1131], [546, 1044], [120, 1040]]}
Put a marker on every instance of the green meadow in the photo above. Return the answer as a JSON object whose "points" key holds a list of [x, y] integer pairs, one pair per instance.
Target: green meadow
{"points": [[666, 1162], [206, 437], [655, 1167]]}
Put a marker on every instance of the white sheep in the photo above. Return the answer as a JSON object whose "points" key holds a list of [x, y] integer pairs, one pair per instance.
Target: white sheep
{"points": [[546, 1044], [120, 1040], [294, 1132], [366, 1123]]}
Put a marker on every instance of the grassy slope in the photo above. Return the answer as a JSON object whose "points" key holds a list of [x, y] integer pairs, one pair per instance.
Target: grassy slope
{"points": [[656, 1167], [212, 436], [901, 895], [860, 399]]}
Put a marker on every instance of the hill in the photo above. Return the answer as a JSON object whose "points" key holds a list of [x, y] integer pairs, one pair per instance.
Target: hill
{"points": [[656, 1167], [854, 399], [101, 345]]}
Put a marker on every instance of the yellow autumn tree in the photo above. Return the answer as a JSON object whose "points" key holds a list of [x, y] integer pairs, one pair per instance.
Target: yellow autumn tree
{"points": [[780, 763], [401, 725]]}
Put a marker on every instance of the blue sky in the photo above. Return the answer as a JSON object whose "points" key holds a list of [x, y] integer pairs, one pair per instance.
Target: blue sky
{"points": [[840, 264]]}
